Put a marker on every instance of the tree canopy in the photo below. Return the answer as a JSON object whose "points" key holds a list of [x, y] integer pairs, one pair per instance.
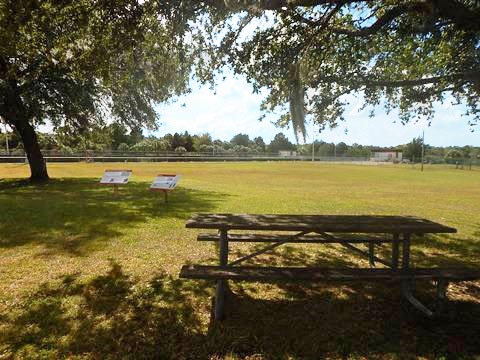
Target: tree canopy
{"points": [[280, 142], [241, 140], [314, 54], [78, 63]]}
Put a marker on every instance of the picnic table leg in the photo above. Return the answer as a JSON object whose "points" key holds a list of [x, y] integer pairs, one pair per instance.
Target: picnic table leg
{"points": [[406, 252], [442, 286], [395, 248], [221, 284], [371, 253], [406, 257], [406, 284]]}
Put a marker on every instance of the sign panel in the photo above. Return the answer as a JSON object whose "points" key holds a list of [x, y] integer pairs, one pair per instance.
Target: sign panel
{"points": [[115, 177], [165, 182]]}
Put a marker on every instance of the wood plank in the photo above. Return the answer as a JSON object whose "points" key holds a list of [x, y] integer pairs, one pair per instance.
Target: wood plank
{"points": [[319, 223], [261, 238], [255, 273]]}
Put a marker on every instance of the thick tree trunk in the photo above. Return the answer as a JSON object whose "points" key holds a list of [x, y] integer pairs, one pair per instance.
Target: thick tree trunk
{"points": [[38, 166], [16, 115]]}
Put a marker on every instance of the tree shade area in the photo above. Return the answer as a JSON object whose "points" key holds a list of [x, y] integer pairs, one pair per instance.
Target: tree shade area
{"points": [[96, 276]]}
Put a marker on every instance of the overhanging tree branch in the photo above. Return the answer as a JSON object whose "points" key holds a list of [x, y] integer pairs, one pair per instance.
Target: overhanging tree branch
{"points": [[383, 20], [469, 76], [460, 14], [457, 12]]}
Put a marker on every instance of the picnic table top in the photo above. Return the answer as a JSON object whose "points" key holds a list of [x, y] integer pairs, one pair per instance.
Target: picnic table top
{"points": [[319, 223]]}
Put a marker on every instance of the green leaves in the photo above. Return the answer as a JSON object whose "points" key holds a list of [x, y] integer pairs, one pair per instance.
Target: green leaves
{"points": [[405, 55], [81, 62]]}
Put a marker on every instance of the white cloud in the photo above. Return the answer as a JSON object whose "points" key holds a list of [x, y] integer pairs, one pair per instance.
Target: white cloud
{"points": [[228, 110], [447, 128], [233, 109]]}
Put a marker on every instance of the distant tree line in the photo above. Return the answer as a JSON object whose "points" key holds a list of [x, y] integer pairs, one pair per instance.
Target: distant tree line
{"points": [[413, 152], [118, 138]]}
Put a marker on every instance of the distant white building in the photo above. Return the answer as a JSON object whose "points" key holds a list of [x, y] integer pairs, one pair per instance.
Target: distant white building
{"points": [[387, 155], [287, 153]]}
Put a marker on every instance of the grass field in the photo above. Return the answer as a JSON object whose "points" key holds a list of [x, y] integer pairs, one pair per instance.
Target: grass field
{"points": [[85, 274]]}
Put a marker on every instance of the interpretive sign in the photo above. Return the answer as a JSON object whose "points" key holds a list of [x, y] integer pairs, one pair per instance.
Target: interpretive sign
{"points": [[115, 177], [165, 183]]}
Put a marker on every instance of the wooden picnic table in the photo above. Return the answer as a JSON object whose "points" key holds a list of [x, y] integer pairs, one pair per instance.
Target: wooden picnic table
{"points": [[345, 230]]}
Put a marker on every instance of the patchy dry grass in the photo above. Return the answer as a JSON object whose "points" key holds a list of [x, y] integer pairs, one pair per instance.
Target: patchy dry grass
{"points": [[85, 274]]}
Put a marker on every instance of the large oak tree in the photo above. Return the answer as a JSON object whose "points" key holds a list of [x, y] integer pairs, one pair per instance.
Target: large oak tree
{"points": [[311, 54], [77, 63]]}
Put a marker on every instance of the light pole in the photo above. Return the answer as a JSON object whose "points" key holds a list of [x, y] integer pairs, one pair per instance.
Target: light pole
{"points": [[313, 140], [423, 148]]}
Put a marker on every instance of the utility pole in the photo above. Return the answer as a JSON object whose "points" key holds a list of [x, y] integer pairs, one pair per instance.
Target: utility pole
{"points": [[423, 148], [313, 140]]}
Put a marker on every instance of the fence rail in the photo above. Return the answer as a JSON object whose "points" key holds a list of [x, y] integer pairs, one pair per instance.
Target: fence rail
{"points": [[19, 156], [117, 156]]}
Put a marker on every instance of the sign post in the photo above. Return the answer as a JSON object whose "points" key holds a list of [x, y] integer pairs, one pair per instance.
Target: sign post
{"points": [[165, 183]]}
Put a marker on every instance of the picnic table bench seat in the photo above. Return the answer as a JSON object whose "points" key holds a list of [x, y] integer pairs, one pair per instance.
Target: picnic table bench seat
{"points": [[262, 273], [304, 239]]}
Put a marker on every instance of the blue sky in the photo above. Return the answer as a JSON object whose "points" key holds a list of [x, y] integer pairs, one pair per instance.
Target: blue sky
{"points": [[232, 108]]}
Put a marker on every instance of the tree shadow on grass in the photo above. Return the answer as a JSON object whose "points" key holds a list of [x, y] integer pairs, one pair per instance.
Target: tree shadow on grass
{"points": [[360, 320], [76, 215], [114, 316], [343, 320], [448, 250], [441, 250], [346, 320], [109, 316]]}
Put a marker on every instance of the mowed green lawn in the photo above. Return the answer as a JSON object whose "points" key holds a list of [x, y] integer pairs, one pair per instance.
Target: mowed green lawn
{"points": [[86, 274]]}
